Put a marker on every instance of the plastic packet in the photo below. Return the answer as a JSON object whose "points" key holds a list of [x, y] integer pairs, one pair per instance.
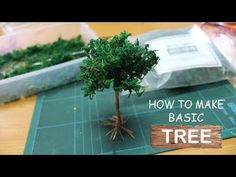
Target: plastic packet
{"points": [[187, 58]]}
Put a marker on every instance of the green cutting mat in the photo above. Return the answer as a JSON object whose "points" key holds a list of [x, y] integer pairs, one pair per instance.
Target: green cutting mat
{"points": [[65, 122]]}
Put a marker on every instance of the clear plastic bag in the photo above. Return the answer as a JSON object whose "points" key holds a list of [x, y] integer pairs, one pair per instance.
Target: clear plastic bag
{"points": [[187, 58]]}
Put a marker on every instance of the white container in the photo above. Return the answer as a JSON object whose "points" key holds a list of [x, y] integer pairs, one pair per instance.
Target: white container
{"points": [[43, 79]]}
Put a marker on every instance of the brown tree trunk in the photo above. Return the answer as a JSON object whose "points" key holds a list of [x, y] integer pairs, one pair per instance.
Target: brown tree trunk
{"points": [[119, 120]]}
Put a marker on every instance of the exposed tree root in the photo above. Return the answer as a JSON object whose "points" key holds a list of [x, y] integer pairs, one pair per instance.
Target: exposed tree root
{"points": [[118, 128]]}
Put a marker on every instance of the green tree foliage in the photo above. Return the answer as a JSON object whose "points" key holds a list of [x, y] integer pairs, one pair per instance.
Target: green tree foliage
{"points": [[116, 61]]}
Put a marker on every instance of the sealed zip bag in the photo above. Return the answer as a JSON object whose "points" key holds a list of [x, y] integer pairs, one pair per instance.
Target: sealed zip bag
{"points": [[187, 58]]}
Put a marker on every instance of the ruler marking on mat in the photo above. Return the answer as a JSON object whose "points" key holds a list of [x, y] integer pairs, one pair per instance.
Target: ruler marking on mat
{"points": [[75, 107], [38, 118], [99, 130]]}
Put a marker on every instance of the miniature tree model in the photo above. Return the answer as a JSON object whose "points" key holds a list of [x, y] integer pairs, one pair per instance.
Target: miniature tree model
{"points": [[118, 62]]}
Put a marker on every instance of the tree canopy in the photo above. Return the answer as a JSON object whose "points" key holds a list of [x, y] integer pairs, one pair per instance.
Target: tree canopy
{"points": [[116, 62]]}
